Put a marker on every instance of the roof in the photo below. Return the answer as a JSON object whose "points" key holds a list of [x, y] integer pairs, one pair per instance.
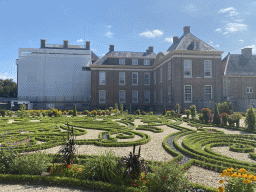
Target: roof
{"points": [[238, 64], [186, 42], [124, 54], [94, 57]]}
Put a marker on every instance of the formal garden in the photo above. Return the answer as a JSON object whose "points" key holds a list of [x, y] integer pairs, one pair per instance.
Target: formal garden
{"points": [[111, 150]]}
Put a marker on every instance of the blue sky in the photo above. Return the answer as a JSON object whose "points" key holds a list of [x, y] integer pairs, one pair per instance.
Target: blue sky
{"points": [[129, 25]]}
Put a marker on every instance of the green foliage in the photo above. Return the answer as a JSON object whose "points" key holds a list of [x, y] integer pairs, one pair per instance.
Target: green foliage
{"points": [[205, 112], [74, 111], [2, 112], [23, 113], [116, 106], [110, 109], [236, 185], [231, 122], [8, 88], [172, 112], [236, 117], [188, 112], [224, 117], [216, 119], [225, 107], [86, 112], [193, 111], [250, 119], [138, 112], [164, 110], [121, 108], [177, 107]]}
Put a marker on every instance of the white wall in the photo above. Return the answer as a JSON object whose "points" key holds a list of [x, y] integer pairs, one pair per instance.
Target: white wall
{"points": [[54, 75]]}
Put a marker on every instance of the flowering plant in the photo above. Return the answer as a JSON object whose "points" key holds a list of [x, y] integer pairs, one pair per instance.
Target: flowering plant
{"points": [[65, 170]]}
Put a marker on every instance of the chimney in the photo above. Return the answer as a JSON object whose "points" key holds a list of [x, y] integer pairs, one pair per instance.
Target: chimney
{"points": [[43, 43], [150, 49], [111, 48], [65, 44], [186, 29], [87, 45], [174, 39], [247, 52]]}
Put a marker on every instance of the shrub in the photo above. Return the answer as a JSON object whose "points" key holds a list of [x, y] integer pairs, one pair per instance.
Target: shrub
{"points": [[86, 112], [205, 112], [216, 119], [193, 111], [143, 113], [2, 112], [250, 119], [177, 107], [151, 113], [225, 107], [188, 112], [103, 112], [224, 117], [99, 113], [168, 113], [164, 110], [116, 106], [231, 122], [110, 108], [121, 108], [70, 112], [137, 111], [236, 117], [74, 111], [172, 113]]}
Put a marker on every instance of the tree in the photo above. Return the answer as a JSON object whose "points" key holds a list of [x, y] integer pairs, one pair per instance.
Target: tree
{"points": [[116, 106], [193, 111], [225, 107], [177, 106], [164, 110], [216, 119], [121, 108], [250, 119], [74, 111], [8, 88]]}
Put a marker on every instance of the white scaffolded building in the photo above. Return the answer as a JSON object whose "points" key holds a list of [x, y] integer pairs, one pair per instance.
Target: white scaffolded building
{"points": [[55, 75]]}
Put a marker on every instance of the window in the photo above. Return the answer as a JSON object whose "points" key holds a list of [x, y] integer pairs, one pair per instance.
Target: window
{"points": [[121, 78], [161, 96], [86, 69], [161, 75], [187, 68], [121, 96], [188, 93], [146, 96], [197, 45], [134, 61], [102, 76], [146, 62], [169, 71], [208, 91], [207, 69], [121, 61], [249, 90], [146, 79], [170, 94], [155, 96], [134, 96], [135, 78], [102, 96], [154, 77]]}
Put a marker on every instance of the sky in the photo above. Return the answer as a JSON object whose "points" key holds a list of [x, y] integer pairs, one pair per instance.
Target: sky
{"points": [[132, 25]]}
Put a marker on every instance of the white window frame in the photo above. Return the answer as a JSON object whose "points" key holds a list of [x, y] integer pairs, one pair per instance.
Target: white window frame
{"points": [[133, 91], [154, 96], [169, 71], [120, 96], [121, 61], [170, 94], [102, 83], [208, 69], [189, 69], [148, 78], [155, 77], [146, 62], [249, 90], [198, 45], [187, 93], [161, 96], [207, 93], [137, 78], [135, 61], [120, 78], [148, 96], [102, 91], [161, 74]]}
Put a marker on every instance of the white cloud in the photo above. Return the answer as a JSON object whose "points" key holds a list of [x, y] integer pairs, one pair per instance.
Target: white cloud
{"points": [[233, 27], [231, 10], [109, 26], [79, 40], [169, 39], [225, 33], [239, 20], [5, 76], [109, 34], [218, 30], [191, 8], [217, 46], [152, 34], [253, 48], [241, 40], [211, 43]]}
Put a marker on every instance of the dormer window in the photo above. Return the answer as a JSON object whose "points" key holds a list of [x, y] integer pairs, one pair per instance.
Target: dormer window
{"points": [[146, 62], [134, 61], [197, 45], [121, 61]]}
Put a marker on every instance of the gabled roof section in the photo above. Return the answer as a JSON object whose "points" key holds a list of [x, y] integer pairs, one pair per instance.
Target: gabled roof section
{"points": [[186, 42], [125, 54], [240, 65]]}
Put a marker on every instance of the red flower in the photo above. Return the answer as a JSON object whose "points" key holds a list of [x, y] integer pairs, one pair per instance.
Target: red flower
{"points": [[163, 178], [68, 166]]}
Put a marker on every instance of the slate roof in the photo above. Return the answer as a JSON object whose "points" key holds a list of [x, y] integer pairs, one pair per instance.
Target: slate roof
{"points": [[186, 42], [94, 57], [238, 64], [124, 54]]}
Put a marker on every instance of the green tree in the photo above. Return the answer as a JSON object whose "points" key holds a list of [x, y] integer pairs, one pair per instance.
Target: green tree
{"points": [[8, 88], [116, 106], [193, 111], [225, 107], [121, 108], [250, 119], [164, 110], [177, 107], [74, 111], [216, 119], [188, 112]]}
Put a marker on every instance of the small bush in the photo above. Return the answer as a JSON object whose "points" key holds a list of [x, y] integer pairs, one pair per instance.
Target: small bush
{"points": [[143, 113], [2, 112], [164, 111], [188, 112], [74, 111], [224, 117], [86, 112], [250, 119], [138, 112], [172, 112], [177, 107], [193, 111]]}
